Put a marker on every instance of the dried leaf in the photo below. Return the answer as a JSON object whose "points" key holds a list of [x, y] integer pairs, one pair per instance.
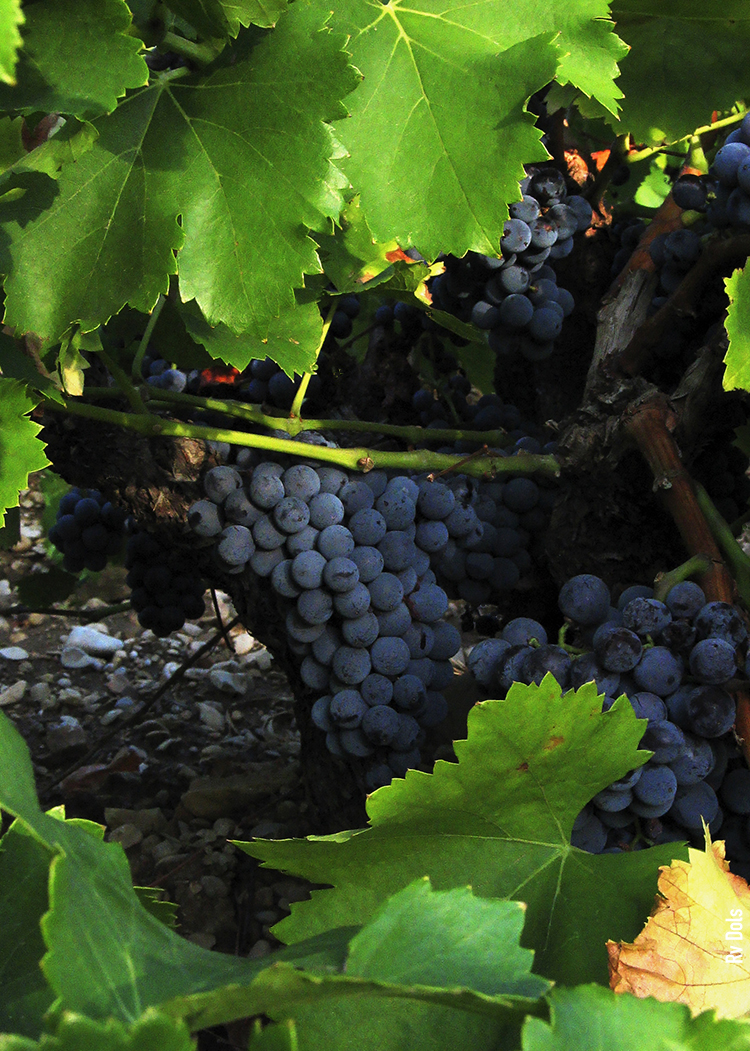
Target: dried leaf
{"points": [[692, 947]]}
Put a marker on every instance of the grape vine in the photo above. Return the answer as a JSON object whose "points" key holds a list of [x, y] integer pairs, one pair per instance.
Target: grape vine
{"points": [[411, 329]]}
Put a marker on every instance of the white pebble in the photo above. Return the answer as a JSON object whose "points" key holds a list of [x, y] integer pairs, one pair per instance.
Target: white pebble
{"points": [[14, 653], [94, 642], [74, 657]]}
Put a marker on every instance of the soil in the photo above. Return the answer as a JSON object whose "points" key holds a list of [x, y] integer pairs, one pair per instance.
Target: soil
{"points": [[174, 761]]}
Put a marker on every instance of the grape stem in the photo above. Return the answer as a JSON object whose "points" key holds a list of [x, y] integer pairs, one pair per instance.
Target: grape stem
{"points": [[296, 410], [123, 382], [651, 151], [238, 410], [135, 371], [646, 423], [695, 566], [201, 54], [354, 459], [724, 537]]}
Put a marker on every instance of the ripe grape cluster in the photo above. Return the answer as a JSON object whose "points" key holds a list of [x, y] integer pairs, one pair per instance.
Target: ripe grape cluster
{"points": [[348, 558], [513, 510], [723, 195], [88, 530], [515, 297], [673, 660], [166, 590]]}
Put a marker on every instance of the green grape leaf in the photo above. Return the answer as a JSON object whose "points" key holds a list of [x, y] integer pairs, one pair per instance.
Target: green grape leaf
{"points": [[590, 1018], [223, 18], [24, 868], [592, 51], [444, 952], [16, 365], [71, 363], [500, 821], [11, 143], [176, 149], [292, 339], [44, 589], [77, 58], [21, 451], [72, 140], [710, 40], [737, 324], [152, 1031], [151, 899], [443, 938], [10, 533], [11, 17], [128, 960], [352, 257], [280, 1037], [440, 116]]}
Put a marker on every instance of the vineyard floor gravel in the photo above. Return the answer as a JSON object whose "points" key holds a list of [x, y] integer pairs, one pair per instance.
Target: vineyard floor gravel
{"points": [[213, 759]]}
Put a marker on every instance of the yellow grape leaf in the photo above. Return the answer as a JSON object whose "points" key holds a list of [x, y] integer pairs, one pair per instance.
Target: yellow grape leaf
{"points": [[692, 949]]}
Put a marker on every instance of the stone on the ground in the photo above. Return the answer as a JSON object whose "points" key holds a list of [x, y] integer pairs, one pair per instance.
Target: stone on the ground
{"points": [[13, 694], [14, 653], [93, 642]]}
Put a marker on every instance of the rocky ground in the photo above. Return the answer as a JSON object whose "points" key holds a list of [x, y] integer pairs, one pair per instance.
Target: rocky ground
{"points": [[176, 761]]}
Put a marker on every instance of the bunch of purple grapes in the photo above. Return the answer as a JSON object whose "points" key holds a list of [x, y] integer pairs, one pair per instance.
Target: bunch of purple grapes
{"points": [[673, 660], [348, 558], [515, 297], [88, 530], [165, 588], [723, 195]]}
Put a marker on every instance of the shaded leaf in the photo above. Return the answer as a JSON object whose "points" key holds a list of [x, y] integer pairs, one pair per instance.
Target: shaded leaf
{"points": [[223, 18], [128, 960], [77, 58], [692, 947], [46, 588], [352, 257], [24, 871], [500, 821], [591, 1019], [280, 1037], [11, 143], [737, 324], [15, 364], [292, 339], [21, 451], [151, 898], [664, 102], [10, 533], [152, 1031]]}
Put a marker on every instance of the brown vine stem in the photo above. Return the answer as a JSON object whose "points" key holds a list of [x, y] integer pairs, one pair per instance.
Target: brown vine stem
{"points": [[667, 218], [717, 257], [648, 426]]}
